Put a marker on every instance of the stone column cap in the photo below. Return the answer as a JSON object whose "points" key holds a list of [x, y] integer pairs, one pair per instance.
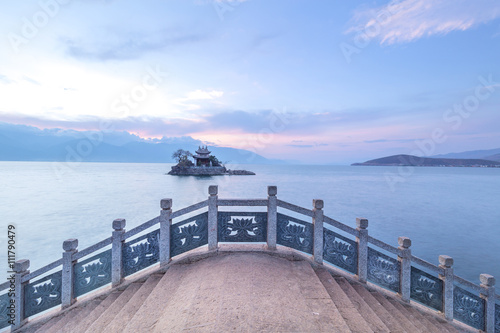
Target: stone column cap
{"points": [[361, 222], [487, 280], [318, 203], [70, 244], [404, 242], [445, 261], [272, 190], [213, 189], [21, 265], [166, 203], [119, 224]]}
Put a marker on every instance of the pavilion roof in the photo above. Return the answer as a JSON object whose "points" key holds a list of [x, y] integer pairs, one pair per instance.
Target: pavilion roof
{"points": [[203, 150]]}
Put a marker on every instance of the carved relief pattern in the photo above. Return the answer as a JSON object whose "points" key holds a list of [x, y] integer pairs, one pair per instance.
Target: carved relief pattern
{"points": [[189, 234], [92, 273], [468, 308], [295, 233], [141, 252], [340, 251], [426, 289], [4, 318], [383, 270], [42, 294], [242, 227]]}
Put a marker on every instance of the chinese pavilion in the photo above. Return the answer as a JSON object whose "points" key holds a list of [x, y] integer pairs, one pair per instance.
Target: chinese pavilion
{"points": [[202, 156]]}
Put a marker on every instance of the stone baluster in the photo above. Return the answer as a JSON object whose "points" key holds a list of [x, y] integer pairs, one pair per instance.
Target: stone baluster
{"points": [[116, 252], [212, 217], [362, 240], [165, 224], [317, 222], [272, 217], [446, 263], [404, 258], [488, 294], [68, 276], [21, 268]]}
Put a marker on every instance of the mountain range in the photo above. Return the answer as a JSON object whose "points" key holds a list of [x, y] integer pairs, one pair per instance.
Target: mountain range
{"points": [[491, 154], [410, 160], [28, 143]]}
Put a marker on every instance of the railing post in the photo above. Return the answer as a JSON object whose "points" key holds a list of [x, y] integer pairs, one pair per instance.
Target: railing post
{"points": [[67, 295], [488, 285], [446, 263], [404, 258], [272, 217], [362, 240], [116, 252], [21, 268], [165, 223], [317, 221], [212, 217]]}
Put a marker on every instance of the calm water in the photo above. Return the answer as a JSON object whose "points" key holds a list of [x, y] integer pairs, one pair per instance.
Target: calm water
{"points": [[453, 211]]}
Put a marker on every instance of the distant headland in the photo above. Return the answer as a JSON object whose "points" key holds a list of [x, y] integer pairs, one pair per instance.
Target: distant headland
{"points": [[204, 164], [410, 160]]}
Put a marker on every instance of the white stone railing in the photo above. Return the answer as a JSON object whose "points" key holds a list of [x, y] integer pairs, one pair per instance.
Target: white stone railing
{"points": [[396, 269]]}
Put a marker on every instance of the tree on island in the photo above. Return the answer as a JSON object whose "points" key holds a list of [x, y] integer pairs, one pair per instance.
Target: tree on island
{"points": [[182, 157], [215, 161]]}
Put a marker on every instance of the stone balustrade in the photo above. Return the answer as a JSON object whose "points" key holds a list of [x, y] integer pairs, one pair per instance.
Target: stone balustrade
{"points": [[309, 232]]}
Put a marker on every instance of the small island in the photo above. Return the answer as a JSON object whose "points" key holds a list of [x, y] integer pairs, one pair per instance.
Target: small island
{"points": [[410, 160], [204, 164]]}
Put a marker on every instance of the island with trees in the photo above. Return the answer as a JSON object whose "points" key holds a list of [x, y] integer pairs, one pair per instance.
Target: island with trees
{"points": [[204, 164]]}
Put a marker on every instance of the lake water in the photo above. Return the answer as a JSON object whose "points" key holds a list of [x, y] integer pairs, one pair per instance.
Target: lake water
{"points": [[453, 211]]}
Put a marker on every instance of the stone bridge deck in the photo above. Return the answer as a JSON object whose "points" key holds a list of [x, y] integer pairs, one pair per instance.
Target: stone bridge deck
{"points": [[241, 292]]}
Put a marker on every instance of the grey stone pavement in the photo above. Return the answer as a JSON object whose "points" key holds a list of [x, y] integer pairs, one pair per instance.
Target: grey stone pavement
{"points": [[242, 292]]}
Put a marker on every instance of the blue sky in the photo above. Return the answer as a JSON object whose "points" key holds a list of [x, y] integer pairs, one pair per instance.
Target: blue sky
{"points": [[319, 82]]}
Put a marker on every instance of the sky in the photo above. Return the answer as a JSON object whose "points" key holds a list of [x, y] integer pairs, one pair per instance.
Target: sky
{"points": [[323, 82]]}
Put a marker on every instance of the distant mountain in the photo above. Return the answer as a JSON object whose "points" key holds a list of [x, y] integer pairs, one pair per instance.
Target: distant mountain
{"points": [[28, 143], [495, 157], [476, 154], [410, 160]]}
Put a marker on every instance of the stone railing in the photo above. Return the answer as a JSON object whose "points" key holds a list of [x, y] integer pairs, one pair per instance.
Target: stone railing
{"points": [[328, 242]]}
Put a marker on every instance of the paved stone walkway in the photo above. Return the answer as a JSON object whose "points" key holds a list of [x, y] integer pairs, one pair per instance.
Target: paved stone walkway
{"points": [[242, 293]]}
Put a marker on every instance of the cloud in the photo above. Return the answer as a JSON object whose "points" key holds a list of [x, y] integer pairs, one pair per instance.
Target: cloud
{"points": [[202, 94], [5, 79], [385, 140], [226, 121], [126, 46], [408, 20], [301, 146], [30, 80], [228, 1], [198, 95], [315, 144]]}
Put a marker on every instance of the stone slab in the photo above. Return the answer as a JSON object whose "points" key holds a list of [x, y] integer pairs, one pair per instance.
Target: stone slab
{"points": [[73, 316], [129, 310], [376, 324], [422, 322], [153, 307], [381, 312], [97, 311], [401, 318], [107, 316], [247, 292], [352, 317]]}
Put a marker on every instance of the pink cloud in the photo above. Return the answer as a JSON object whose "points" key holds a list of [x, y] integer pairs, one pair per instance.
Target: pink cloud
{"points": [[409, 20]]}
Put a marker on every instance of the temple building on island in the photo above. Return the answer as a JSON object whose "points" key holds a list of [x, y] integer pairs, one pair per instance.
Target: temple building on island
{"points": [[204, 164], [202, 157]]}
